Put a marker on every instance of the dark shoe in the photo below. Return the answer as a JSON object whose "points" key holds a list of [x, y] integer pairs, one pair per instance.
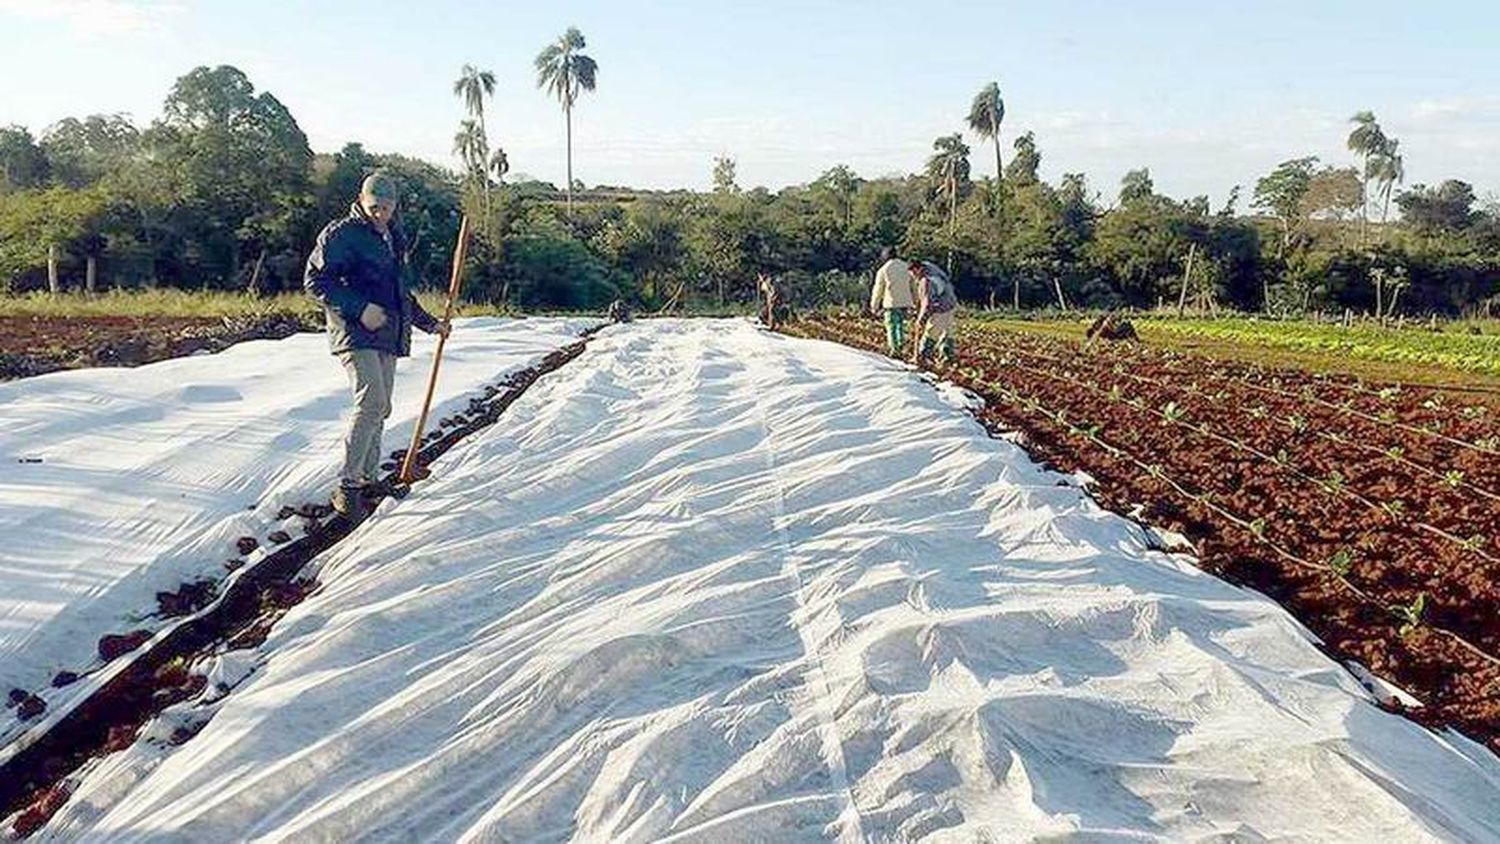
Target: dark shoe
{"points": [[348, 501]]}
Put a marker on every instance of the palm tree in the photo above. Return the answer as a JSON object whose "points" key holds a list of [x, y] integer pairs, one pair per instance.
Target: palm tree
{"points": [[566, 72], [472, 86], [949, 168], [985, 116], [470, 147], [1365, 140], [1389, 170], [986, 113]]}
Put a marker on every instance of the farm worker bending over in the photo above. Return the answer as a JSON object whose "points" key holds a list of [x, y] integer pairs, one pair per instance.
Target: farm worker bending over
{"points": [[893, 294], [357, 272], [936, 305]]}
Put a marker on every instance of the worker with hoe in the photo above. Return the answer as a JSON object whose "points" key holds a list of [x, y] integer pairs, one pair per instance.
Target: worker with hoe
{"points": [[937, 304], [893, 296], [357, 271]]}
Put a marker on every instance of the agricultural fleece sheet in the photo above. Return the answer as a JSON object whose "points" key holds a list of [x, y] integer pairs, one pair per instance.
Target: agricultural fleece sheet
{"points": [[709, 583], [119, 483]]}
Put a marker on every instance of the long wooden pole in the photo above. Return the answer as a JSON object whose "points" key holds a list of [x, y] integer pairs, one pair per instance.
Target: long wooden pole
{"points": [[460, 251]]}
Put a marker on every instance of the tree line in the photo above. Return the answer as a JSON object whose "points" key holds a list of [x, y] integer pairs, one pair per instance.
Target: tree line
{"points": [[222, 191]]}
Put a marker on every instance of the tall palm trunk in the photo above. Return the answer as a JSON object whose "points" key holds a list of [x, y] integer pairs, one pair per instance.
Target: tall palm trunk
{"points": [[1364, 202], [999, 168], [1015, 290], [568, 110], [952, 203], [484, 175]]}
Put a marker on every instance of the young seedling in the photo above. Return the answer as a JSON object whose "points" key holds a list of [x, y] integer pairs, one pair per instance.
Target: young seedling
{"points": [[1342, 562], [1411, 614], [1334, 483]]}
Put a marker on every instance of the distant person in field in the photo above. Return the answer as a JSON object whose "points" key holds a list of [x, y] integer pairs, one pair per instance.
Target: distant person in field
{"points": [[937, 305], [773, 301], [893, 296], [357, 272], [619, 311]]}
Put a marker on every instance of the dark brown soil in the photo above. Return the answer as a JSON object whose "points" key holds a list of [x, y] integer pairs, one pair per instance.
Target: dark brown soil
{"points": [[31, 345]]}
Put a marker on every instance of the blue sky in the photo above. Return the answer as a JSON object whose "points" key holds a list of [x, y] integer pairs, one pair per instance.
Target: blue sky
{"points": [[1207, 94]]}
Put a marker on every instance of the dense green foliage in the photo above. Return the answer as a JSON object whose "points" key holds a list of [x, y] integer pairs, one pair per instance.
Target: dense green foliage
{"points": [[1473, 352], [222, 192]]}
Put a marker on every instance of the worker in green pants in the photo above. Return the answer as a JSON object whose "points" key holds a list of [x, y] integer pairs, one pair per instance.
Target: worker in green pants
{"points": [[893, 295]]}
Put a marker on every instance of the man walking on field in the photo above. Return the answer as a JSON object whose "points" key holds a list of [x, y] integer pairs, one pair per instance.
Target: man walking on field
{"points": [[357, 272], [937, 304], [893, 294]]}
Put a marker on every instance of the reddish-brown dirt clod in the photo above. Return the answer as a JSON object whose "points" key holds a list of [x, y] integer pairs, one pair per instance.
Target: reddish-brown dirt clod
{"points": [[16, 696], [285, 513], [64, 678], [315, 511], [188, 599], [113, 646], [120, 737], [40, 811], [280, 537], [246, 544], [31, 707], [182, 735]]}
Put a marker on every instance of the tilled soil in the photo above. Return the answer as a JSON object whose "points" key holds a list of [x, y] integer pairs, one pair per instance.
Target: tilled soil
{"points": [[1370, 511], [34, 345]]}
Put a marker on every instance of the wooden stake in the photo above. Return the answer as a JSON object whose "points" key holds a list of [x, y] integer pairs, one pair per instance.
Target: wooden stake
{"points": [[1187, 276], [460, 251]]}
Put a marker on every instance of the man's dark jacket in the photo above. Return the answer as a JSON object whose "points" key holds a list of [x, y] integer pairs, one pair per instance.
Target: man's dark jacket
{"points": [[351, 266]]}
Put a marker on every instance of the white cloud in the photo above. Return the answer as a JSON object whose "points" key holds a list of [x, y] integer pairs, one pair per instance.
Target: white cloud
{"points": [[95, 18]]}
